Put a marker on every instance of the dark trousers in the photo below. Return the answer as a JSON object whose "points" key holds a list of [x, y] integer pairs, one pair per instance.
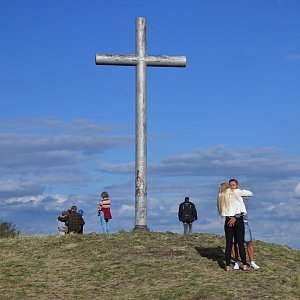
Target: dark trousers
{"points": [[237, 231]]}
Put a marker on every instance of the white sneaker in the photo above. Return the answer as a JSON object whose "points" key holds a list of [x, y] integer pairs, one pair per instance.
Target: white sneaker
{"points": [[254, 265], [236, 266]]}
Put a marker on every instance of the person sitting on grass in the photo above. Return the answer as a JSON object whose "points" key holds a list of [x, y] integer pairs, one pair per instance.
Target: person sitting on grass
{"points": [[74, 220], [61, 225], [80, 211]]}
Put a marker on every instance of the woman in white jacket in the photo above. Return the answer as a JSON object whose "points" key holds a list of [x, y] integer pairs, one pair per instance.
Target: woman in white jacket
{"points": [[231, 206]]}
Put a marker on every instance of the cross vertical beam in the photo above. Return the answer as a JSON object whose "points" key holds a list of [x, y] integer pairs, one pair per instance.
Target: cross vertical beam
{"points": [[141, 128], [141, 60]]}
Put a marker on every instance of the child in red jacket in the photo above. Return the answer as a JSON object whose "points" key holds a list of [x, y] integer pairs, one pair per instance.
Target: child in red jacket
{"points": [[104, 211]]}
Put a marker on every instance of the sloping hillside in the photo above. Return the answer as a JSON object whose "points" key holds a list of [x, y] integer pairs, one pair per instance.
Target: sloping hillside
{"points": [[141, 266]]}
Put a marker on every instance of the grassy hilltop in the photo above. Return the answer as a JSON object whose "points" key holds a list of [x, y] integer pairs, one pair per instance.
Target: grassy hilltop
{"points": [[141, 266]]}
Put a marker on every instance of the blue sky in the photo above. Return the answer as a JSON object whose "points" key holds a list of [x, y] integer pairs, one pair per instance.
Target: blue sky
{"points": [[67, 126]]}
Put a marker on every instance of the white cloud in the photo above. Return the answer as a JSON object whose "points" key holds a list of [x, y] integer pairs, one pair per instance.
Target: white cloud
{"points": [[127, 209], [284, 232], [33, 143], [12, 185], [61, 199], [117, 168], [293, 56], [54, 125], [10, 188], [26, 199], [48, 151], [221, 161]]}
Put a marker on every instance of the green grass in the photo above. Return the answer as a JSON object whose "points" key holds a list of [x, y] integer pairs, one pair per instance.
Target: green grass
{"points": [[141, 266]]}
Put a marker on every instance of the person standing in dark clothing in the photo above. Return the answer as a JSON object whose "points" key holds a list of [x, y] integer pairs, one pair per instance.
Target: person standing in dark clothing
{"points": [[187, 214]]}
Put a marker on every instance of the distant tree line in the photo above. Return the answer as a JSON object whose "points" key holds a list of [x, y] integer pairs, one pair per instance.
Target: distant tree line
{"points": [[8, 229]]}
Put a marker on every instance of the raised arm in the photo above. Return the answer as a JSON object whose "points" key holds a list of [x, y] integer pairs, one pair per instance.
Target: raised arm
{"points": [[243, 193]]}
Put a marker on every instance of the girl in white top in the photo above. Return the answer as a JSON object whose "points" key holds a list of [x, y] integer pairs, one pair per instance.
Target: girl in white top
{"points": [[231, 206], [236, 204]]}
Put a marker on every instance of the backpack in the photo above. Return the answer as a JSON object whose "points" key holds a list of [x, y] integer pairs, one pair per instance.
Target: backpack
{"points": [[187, 213]]}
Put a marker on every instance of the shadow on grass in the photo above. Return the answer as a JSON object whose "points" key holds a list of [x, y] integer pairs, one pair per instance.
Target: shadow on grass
{"points": [[214, 253]]}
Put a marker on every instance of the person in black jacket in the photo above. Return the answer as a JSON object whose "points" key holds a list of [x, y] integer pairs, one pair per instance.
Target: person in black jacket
{"points": [[187, 214], [74, 220]]}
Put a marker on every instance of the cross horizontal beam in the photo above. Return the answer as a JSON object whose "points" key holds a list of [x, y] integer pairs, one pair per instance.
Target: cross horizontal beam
{"points": [[133, 60]]}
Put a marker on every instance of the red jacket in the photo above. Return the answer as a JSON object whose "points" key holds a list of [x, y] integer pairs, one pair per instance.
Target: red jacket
{"points": [[104, 206]]}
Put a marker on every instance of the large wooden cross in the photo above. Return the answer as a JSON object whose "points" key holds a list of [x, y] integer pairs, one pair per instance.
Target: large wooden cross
{"points": [[141, 60]]}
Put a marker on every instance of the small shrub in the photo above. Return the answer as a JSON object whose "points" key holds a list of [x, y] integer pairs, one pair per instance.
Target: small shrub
{"points": [[8, 229]]}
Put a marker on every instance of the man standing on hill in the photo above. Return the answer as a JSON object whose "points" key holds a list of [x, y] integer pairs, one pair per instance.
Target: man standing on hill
{"points": [[234, 185], [187, 214], [74, 220]]}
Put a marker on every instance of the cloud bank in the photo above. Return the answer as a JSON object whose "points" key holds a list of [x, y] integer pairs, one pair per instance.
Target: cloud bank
{"points": [[47, 165]]}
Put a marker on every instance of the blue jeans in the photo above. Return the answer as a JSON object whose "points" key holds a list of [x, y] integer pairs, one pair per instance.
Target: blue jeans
{"points": [[187, 227], [248, 234], [104, 224]]}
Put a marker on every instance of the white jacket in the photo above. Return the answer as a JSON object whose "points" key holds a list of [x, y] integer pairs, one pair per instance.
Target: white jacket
{"points": [[62, 227], [236, 202]]}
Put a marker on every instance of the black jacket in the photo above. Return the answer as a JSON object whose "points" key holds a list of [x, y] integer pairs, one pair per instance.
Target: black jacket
{"points": [[182, 209]]}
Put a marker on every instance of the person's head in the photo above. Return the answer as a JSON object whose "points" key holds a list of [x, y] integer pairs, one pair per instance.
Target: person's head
{"points": [[64, 213], [223, 187], [74, 208], [186, 199], [233, 184], [104, 195], [223, 201], [80, 211]]}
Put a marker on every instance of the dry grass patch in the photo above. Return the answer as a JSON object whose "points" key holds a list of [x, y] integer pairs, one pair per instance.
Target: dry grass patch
{"points": [[140, 266]]}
